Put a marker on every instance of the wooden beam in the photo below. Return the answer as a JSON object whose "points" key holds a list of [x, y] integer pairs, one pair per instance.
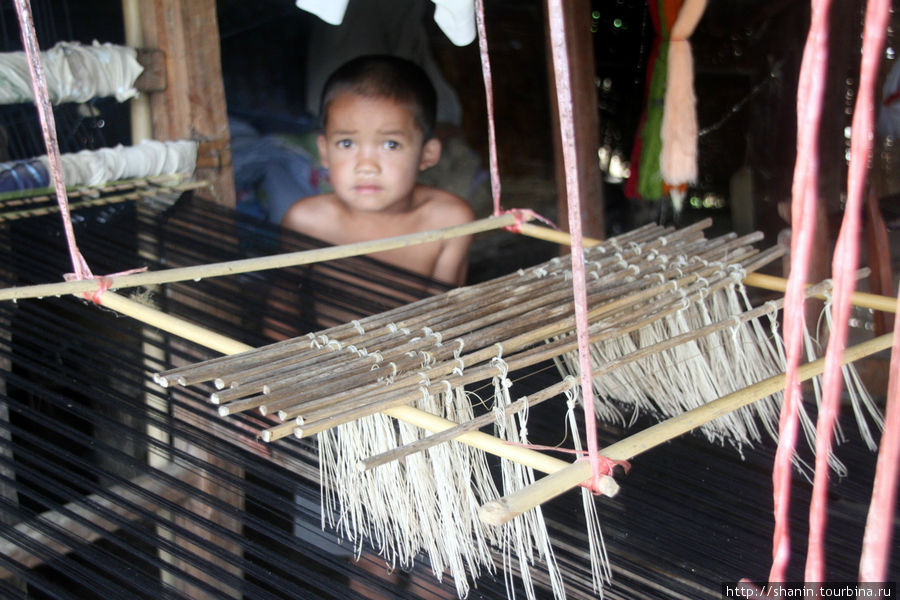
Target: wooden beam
{"points": [[587, 121], [192, 105], [153, 77]]}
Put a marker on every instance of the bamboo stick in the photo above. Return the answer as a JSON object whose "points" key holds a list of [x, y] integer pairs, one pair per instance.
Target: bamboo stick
{"points": [[477, 423], [860, 299], [427, 308], [760, 280], [246, 265], [407, 315], [407, 414], [503, 510], [180, 327], [493, 445], [329, 411]]}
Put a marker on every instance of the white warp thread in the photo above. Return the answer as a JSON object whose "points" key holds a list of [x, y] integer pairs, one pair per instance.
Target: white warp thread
{"points": [[75, 73], [146, 159]]}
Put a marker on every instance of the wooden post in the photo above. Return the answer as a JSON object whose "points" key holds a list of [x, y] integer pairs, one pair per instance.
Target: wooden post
{"points": [[587, 121], [193, 104]]}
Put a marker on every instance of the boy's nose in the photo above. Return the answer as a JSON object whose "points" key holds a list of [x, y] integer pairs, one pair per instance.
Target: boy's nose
{"points": [[366, 164]]}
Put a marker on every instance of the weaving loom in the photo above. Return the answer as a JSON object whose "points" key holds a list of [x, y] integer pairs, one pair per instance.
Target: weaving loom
{"points": [[118, 488], [657, 548]]}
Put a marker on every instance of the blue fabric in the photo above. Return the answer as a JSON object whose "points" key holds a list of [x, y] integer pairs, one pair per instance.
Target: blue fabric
{"points": [[23, 175], [271, 172]]}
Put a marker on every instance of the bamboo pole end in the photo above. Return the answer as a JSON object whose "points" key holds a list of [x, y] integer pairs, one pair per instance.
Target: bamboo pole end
{"points": [[496, 512], [608, 486]]}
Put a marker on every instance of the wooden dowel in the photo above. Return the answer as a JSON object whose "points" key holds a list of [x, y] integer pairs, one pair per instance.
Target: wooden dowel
{"points": [[180, 327], [492, 445], [759, 280], [256, 264], [266, 355], [408, 414], [860, 299], [477, 423], [237, 406], [503, 510], [402, 316]]}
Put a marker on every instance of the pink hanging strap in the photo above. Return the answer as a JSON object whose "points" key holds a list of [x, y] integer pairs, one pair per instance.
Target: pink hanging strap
{"points": [[48, 129], [846, 258], [522, 215], [489, 101], [579, 287], [803, 216]]}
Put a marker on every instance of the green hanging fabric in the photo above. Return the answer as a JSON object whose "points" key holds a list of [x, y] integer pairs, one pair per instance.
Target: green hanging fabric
{"points": [[646, 180]]}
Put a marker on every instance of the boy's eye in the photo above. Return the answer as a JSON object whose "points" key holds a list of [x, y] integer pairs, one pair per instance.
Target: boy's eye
{"points": [[344, 143], [392, 144]]}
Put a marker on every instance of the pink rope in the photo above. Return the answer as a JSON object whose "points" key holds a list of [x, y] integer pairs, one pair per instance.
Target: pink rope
{"points": [[844, 262], [876, 548], [521, 215], [579, 287], [48, 128], [803, 219], [489, 100]]}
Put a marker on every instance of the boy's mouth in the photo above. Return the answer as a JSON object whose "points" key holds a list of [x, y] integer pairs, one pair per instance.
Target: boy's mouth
{"points": [[367, 189]]}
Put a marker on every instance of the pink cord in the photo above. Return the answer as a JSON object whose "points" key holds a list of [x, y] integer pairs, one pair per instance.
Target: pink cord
{"points": [[48, 128], [803, 219], [876, 548], [579, 287], [844, 263], [489, 100]]}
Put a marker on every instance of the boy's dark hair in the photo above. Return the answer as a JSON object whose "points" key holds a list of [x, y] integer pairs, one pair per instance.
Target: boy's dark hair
{"points": [[389, 77]]}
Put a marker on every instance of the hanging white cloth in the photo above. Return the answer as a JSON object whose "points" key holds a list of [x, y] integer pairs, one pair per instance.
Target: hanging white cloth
{"points": [[456, 18]]}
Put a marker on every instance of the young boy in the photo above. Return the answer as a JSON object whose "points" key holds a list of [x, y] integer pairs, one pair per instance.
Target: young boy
{"points": [[378, 114]]}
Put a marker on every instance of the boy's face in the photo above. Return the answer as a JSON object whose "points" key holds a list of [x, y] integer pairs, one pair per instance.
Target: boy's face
{"points": [[374, 151]]}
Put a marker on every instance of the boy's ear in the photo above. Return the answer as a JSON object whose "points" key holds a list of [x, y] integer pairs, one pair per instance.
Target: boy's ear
{"points": [[322, 144], [431, 154]]}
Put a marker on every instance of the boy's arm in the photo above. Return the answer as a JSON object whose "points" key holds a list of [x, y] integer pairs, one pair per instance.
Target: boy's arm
{"points": [[452, 265]]}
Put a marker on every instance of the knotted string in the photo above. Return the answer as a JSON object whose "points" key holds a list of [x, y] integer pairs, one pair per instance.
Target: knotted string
{"points": [[607, 465]]}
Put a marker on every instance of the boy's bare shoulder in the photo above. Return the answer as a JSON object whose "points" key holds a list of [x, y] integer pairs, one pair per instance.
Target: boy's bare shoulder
{"points": [[437, 204], [306, 212]]}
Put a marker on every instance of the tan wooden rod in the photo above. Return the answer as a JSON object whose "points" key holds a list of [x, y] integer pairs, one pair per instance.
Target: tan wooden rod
{"points": [[505, 509]]}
